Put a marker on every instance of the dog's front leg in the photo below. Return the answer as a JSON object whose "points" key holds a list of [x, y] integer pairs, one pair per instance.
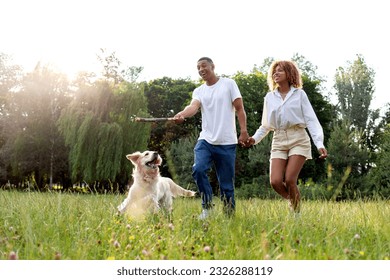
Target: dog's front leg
{"points": [[123, 206]]}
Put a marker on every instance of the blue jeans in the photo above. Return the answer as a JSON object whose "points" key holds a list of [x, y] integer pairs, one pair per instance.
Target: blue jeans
{"points": [[223, 157]]}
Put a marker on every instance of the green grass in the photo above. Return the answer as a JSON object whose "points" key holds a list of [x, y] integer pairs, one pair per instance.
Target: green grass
{"points": [[44, 226]]}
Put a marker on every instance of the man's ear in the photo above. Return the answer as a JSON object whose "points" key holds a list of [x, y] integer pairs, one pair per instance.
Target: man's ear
{"points": [[134, 157]]}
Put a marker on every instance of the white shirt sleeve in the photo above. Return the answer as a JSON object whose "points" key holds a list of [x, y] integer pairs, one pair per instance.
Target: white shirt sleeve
{"points": [[312, 122], [264, 128]]}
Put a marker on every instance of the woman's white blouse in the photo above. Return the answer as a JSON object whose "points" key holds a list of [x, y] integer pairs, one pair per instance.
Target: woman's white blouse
{"points": [[294, 110]]}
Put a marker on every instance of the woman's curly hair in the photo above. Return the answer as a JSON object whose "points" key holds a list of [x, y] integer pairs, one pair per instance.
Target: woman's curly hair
{"points": [[293, 74]]}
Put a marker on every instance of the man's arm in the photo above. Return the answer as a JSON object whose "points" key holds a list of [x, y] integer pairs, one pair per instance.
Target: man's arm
{"points": [[241, 114], [188, 111]]}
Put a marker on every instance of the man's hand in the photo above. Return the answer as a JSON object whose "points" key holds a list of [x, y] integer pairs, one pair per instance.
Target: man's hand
{"points": [[243, 138], [178, 118]]}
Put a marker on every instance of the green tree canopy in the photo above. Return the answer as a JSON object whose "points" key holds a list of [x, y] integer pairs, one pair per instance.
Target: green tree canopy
{"points": [[99, 133], [166, 97], [354, 89], [35, 145]]}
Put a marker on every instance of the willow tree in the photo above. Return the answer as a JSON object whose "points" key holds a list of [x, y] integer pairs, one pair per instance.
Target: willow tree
{"points": [[98, 130]]}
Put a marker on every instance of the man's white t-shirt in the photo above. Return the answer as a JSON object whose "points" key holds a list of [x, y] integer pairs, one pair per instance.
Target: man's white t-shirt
{"points": [[218, 112]]}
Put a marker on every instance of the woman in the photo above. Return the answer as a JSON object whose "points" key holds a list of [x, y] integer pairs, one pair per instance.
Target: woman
{"points": [[287, 112]]}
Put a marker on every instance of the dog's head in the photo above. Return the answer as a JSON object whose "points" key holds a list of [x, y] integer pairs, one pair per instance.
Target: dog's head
{"points": [[147, 162]]}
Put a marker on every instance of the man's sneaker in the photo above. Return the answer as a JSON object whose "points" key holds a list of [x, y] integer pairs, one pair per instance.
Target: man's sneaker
{"points": [[204, 215]]}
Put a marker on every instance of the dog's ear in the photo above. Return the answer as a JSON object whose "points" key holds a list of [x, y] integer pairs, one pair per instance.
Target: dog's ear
{"points": [[134, 157]]}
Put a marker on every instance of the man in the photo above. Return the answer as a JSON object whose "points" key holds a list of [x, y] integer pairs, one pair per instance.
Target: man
{"points": [[219, 100]]}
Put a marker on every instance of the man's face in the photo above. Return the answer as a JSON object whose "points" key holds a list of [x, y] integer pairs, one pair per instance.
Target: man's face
{"points": [[205, 69]]}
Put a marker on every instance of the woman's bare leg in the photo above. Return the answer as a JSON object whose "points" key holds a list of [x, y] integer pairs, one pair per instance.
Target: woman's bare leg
{"points": [[293, 168], [277, 169]]}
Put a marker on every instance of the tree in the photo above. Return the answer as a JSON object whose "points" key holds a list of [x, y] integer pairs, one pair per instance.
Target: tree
{"points": [[354, 89], [10, 76], [166, 97], [35, 146], [380, 176], [112, 70], [99, 133], [307, 68], [346, 157]]}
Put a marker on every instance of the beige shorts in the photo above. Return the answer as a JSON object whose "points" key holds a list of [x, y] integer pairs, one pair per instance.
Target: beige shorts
{"points": [[293, 141]]}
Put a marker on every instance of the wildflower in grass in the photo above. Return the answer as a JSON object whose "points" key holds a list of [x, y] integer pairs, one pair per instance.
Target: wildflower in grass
{"points": [[110, 258], [146, 253], [206, 249], [171, 226], [357, 236], [116, 244], [128, 226], [294, 251], [361, 253], [13, 256], [131, 237]]}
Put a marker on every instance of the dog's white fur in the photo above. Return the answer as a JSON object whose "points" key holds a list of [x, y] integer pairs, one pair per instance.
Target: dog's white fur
{"points": [[149, 191]]}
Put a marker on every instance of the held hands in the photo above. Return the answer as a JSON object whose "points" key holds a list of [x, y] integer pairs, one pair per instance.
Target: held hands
{"points": [[243, 138], [250, 142], [245, 141]]}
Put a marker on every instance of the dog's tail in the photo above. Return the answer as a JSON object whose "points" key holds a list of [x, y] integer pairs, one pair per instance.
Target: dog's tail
{"points": [[176, 190]]}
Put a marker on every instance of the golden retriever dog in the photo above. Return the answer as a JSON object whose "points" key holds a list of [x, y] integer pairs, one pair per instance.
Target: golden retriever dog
{"points": [[150, 192]]}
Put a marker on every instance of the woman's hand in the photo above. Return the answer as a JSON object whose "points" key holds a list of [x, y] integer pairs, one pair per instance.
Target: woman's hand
{"points": [[249, 142], [323, 153]]}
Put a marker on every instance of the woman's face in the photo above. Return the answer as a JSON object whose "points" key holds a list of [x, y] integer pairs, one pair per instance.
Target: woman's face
{"points": [[279, 75]]}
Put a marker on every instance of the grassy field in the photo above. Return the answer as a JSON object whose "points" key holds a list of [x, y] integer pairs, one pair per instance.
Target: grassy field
{"points": [[45, 226]]}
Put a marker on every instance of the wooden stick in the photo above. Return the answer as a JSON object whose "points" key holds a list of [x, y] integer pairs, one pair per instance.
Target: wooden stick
{"points": [[138, 119]]}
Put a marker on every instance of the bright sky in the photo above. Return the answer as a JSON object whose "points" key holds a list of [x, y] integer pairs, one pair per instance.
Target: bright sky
{"points": [[166, 37]]}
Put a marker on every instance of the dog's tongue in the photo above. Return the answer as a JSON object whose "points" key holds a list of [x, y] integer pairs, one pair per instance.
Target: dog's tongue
{"points": [[153, 163]]}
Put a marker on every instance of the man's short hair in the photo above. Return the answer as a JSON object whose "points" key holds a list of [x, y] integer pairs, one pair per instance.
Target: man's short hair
{"points": [[206, 58]]}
